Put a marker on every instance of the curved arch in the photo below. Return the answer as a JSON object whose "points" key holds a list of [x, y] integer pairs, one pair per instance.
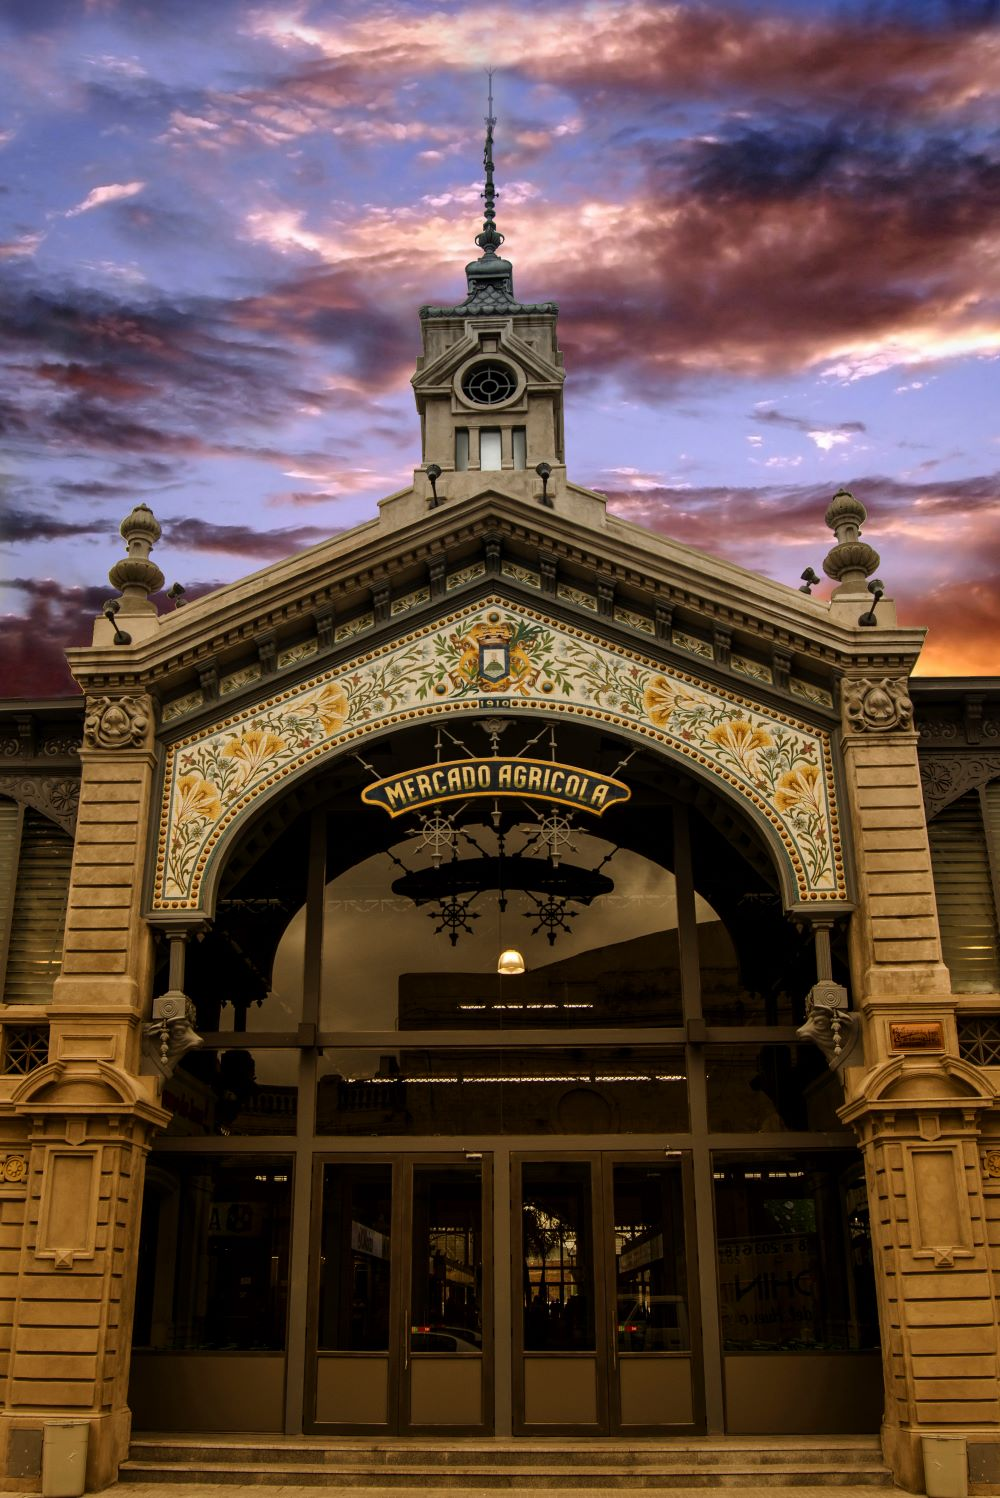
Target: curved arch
{"points": [[489, 657]]}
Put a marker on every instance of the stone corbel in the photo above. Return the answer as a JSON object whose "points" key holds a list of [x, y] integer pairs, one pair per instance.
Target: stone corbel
{"points": [[169, 1035], [831, 1025]]}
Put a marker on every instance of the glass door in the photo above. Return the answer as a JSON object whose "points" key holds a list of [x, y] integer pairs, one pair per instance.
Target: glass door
{"points": [[603, 1338], [652, 1374], [447, 1382], [402, 1296]]}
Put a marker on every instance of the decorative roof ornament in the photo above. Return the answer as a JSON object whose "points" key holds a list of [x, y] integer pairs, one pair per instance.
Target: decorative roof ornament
{"points": [[490, 279], [135, 575], [490, 240], [852, 560]]}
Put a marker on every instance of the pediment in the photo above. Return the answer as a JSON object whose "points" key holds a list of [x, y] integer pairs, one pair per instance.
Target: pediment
{"points": [[496, 653], [440, 370]]}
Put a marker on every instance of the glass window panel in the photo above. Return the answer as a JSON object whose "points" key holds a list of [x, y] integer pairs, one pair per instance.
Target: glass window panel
{"points": [[213, 1253], [234, 1091], [388, 964], [519, 443], [226, 968], [756, 968], [489, 448], [794, 1250], [446, 1287], [651, 1274], [628, 1089], [762, 1088], [461, 449], [557, 1255], [355, 1278]]}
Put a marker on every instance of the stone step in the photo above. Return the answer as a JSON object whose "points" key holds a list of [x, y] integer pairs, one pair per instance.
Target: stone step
{"points": [[541, 1475], [527, 1451]]}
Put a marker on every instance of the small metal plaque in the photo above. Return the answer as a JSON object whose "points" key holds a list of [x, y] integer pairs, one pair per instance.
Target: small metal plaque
{"points": [[925, 1035]]}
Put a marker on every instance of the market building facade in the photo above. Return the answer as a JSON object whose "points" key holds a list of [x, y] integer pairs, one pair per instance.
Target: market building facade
{"points": [[484, 976]]}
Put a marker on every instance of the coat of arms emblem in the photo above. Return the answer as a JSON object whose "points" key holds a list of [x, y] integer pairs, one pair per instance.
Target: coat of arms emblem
{"points": [[492, 658], [494, 655]]}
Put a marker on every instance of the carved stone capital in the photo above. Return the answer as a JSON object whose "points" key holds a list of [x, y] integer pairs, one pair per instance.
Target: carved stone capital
{"points": [[881, 706], [117, 722]]}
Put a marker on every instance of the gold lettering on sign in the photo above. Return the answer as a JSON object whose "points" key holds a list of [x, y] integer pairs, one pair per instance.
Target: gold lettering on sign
{"points": [[926, 1036], [542, 780]]}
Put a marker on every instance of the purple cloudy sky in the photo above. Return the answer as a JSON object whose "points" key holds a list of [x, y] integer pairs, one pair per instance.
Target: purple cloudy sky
{"points": [[772, 231]]}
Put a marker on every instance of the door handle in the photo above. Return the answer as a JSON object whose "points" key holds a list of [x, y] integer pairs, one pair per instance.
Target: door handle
{"points": [[406, 1341]]}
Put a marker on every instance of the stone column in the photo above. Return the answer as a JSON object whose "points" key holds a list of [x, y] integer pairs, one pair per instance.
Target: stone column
{"points": [[915, 1105], [82, 1124]]}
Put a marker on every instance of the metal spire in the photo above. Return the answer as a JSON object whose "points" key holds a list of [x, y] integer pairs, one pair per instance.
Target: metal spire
{"points": [[490, 240]]}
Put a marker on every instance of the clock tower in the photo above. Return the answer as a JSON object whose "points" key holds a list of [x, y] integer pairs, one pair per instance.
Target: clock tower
{"points": [[489, 382]]}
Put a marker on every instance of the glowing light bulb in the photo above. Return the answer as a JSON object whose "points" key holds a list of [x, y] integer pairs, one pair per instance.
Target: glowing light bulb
{"points": [[510, 963]]}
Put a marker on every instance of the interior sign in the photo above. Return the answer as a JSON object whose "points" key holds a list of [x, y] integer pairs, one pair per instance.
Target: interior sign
{"points": [[457, 780]]}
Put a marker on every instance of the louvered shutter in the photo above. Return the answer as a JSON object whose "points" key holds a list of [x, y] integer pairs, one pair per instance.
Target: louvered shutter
{"points": [[963, 883], [34, 954], [10, 837]]}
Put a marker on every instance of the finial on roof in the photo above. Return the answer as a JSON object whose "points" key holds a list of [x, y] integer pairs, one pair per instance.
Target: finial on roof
{"points": [[490, 240], [490, 279], [852, 560], [135, 574]]}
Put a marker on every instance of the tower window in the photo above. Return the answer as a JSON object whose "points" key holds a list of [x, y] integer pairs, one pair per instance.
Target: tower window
{"points": [[489, 448], [488, 384], [461, 449], [519, 445]]}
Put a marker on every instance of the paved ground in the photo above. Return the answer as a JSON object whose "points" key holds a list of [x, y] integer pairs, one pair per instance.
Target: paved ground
{"points": [[265, 1490], [282, 1490]]}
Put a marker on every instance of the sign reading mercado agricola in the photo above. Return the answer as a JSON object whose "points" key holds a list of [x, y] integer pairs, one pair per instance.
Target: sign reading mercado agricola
{"points": [[460, 779]]}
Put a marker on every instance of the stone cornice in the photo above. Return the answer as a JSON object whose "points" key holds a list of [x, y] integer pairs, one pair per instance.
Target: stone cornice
{"points": [[647, 564]]}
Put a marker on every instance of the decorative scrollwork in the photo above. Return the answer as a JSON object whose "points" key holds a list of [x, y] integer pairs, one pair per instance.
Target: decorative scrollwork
{"points": [[881, 706], [55, 797], [945, 777], [117, 722]]}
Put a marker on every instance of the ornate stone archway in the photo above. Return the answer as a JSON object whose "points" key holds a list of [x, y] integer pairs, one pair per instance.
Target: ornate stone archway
{"points": [[488, 656]]}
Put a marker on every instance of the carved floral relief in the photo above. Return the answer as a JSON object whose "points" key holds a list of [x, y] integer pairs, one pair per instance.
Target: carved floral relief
{"points": [[489, 656]]}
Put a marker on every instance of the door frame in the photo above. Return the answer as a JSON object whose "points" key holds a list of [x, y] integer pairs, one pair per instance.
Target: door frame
{"points": [[399, 1357], [606, 1354]]}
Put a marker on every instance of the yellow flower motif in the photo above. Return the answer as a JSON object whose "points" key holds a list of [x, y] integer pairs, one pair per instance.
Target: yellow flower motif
{"points": [[331, 705], [741, 738], [800, 787], [197, 799], [253, 749], [659, 699]]}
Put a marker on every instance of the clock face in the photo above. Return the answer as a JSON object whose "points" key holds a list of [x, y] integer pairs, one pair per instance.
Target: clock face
{"points": [[489, 383]]}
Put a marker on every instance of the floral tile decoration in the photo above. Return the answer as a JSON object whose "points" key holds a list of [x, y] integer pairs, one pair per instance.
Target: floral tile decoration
{"points": [[490, 656]]}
